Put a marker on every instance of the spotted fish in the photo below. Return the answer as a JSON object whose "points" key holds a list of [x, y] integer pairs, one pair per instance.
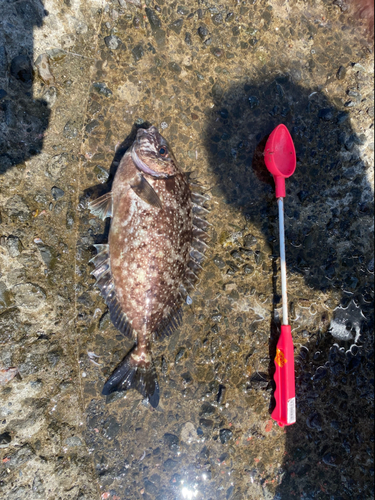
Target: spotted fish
{"points": [[155, 248]]}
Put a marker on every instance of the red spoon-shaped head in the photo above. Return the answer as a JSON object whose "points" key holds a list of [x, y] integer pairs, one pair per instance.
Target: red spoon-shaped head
{"points": [[280, 157]]}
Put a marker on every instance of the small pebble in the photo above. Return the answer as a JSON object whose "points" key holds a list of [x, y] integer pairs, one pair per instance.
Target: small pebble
{"points": [[112, 42]]}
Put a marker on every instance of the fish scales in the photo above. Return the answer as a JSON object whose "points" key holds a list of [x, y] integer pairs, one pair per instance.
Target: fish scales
{"points": [[149, 248], [148, 256]]}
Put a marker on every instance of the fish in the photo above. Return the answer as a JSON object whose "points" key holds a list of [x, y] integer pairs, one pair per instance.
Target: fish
{"points": [[156, 245]]}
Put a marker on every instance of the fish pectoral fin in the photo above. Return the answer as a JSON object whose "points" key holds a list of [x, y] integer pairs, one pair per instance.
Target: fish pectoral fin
{"points": [[145, 191], [102, 207]]}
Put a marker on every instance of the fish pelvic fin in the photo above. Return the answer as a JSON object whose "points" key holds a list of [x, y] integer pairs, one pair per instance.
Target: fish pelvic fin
{"points": [[102, 207], [135, 373]]}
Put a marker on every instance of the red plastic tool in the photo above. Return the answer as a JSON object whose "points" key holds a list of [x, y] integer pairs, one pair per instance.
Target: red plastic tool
{"points": [[280, 159]]}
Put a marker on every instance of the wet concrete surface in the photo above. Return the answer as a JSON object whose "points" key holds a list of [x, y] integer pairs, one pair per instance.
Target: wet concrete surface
{"points": [[76, 80]]}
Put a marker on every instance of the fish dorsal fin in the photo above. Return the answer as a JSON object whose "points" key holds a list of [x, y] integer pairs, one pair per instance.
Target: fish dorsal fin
{"points": [[102, 207], [145, 191], [104, 281]]}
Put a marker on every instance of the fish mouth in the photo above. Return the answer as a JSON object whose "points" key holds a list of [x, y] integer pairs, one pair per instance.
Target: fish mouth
{"points": [[149, 134]]}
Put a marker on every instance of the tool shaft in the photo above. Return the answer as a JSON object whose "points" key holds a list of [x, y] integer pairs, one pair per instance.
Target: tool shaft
{"points": [[280, 204]]}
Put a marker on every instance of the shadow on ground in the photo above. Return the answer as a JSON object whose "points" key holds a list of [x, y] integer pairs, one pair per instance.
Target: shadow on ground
{"points": [[329, 215], [23, 119]]}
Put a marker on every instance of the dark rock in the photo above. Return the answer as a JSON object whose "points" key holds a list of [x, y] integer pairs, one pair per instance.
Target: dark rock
{"points": [[183, 11], [174, 67], [206, 423], [102, 89], [341, 73], [21, 456], [150, 487], [314, 421], [249, 241], [14, 246], [248, 269], [3, 93], [225, 435], [176, 26], [303, 195], [170, 464], [91, 126], [218, 261], [138, 52], [111, 428], [17, 207], [11, 327], [5, 439], [57, 193], [253, 101], [54, 356], [217, 52], [342, 117], [153, 19], [221, 395], [206, 410], [48, 255], [320, 374], [217, 19], [179, 355], [217, 91], [259, 380], [331, 459], [188, 39], [326, 114], [112, 42], [203, 32], [171, 441], [229, 493], [187, 378], [3, 63], [204, 453], [21, 69], [5, 298]]}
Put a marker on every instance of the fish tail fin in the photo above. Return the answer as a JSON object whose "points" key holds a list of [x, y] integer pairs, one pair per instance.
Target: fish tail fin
{"points": [[134, 374]]}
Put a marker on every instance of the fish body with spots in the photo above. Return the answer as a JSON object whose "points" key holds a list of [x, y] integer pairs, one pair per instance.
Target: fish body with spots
{"points": [[142, 270]]}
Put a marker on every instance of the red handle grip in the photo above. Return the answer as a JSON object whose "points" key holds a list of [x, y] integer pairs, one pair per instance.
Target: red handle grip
{"points": [[285, 392]]}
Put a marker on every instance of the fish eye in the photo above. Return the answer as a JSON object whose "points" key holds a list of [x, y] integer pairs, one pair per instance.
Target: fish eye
{"points": [[163, 151]]}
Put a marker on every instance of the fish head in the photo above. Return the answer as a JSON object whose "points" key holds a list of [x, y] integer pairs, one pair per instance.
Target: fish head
{"points": [[152, 155]]}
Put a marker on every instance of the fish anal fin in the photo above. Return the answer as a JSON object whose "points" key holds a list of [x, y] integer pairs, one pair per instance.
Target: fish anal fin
{"points": [[130, 374], [145, 191], [170, 323], [104, 281], [102, 207]]}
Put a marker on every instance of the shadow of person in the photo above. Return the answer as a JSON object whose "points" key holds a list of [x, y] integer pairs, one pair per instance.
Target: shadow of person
{"points": [[329, 215], [23, 119]]}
